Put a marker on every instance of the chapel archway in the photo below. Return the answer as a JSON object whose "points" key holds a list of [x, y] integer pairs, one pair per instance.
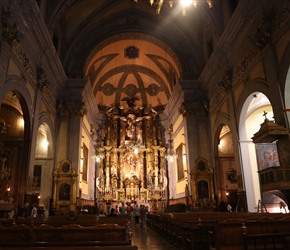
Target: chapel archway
{"points": [[226, 172], [257, 108], [41, 174], [14, 136]]}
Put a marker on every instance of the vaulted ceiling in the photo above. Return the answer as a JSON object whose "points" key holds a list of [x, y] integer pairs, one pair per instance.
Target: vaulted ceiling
{"points": [[127, 51]]}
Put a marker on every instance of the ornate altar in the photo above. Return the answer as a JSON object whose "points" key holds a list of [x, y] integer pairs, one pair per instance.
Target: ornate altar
{"points": [[202, 185], [65, 179], [133, 166]]}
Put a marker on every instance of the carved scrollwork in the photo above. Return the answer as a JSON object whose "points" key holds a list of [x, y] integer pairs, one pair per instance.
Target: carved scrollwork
{"points": [[194, 108], [42, 81], [10, 30]]}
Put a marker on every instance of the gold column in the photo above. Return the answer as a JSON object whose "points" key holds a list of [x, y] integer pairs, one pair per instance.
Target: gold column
{"points": [[155, 148], [108, 154]]}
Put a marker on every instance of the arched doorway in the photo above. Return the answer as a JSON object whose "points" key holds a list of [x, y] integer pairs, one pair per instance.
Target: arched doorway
{"points": [[14, 138], [256, 109], [226, 172], [40, 175]]}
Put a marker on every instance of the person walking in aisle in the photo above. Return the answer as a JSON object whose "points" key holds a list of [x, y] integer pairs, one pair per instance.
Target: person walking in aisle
{"points": [[143, 217], [137, 214]]}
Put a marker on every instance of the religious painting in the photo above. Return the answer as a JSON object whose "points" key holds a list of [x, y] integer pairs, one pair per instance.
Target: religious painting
{"points": [[85, 163], [267, 155], [36, 181], [202, 187], [64, 192], [180, 169]]}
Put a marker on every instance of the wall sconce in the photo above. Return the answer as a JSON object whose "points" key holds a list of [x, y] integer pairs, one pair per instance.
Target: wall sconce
{"points": [[38, 196], [8, 188], [227, 192]]}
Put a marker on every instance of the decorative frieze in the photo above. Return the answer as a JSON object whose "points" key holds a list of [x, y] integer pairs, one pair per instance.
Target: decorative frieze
{"points": [[65, 108], [194, 109]]}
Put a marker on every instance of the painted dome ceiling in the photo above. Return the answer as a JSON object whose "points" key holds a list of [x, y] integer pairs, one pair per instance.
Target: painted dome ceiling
{"points": [[129, 68], [126, 51]]}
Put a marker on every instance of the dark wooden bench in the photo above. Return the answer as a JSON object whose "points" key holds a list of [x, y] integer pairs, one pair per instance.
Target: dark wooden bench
{"points": [[117, 247], [274, 241], [60, 220], [15, 233], [232, 234], [74, 232], [191, 230]]}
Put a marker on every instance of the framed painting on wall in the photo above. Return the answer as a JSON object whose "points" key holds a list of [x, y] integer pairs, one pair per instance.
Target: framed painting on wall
{"points": [[267, 155], [85, 163], [180, 169], [36, 181]]}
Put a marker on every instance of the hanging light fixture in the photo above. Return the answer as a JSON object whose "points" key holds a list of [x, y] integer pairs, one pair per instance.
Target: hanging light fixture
{"points": [[185, 3], [170, 154]]}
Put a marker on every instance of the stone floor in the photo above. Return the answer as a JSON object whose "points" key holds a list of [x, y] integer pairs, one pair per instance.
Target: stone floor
{"points": [[149, 239]]}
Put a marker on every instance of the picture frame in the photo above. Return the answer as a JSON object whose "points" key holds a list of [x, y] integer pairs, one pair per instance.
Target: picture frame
{"points": [[180, 168], [85, 163], [267, 155]]}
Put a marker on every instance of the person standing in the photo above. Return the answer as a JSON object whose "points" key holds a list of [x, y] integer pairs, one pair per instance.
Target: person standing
{"points": [[143, 216], [137, 214], [122, 209], [25, 211], [129, 211], [34, 211]]}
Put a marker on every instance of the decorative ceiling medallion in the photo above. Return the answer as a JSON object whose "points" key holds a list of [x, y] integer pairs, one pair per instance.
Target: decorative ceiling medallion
{"points": [[130, 90], [108, 89], [153, 89], [131, 52]]}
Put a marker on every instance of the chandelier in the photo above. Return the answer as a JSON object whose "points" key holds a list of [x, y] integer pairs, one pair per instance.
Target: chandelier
{"points": [[185, 3], [170, 154]]}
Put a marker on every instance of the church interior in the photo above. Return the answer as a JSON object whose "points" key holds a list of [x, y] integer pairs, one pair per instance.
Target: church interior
{"points": [[145, 101]]}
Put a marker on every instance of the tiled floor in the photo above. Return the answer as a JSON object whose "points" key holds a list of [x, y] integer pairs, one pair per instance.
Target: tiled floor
{"points": [[149, 239]]}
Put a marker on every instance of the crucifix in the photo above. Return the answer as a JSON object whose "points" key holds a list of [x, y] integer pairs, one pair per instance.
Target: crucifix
{"points": [[265, 114]]}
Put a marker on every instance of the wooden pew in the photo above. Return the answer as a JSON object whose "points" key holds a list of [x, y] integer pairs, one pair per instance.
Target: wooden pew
{"points": [[15, 233], [274, 241], [238, 234], [185, 230], [74, 232], [60, 220], [127, 247]]}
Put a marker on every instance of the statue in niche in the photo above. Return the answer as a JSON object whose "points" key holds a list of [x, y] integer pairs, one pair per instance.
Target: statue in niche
{"points": [[101, 180], [150, 178], [132, 165]]}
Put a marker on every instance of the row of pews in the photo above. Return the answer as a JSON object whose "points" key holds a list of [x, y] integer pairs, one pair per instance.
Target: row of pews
{"points": [[223, 231], [67, 232]]}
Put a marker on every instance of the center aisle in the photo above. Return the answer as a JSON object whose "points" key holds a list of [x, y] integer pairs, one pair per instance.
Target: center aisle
{"points": [[149, 239]]}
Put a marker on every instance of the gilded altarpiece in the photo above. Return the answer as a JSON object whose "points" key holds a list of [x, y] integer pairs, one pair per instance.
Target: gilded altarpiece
{"points": [[65, 179], [202, 185], [133, 166]]}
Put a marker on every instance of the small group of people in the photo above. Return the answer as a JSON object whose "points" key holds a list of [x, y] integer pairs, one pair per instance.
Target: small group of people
{"points": [[26, 211], [139, 213]]}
